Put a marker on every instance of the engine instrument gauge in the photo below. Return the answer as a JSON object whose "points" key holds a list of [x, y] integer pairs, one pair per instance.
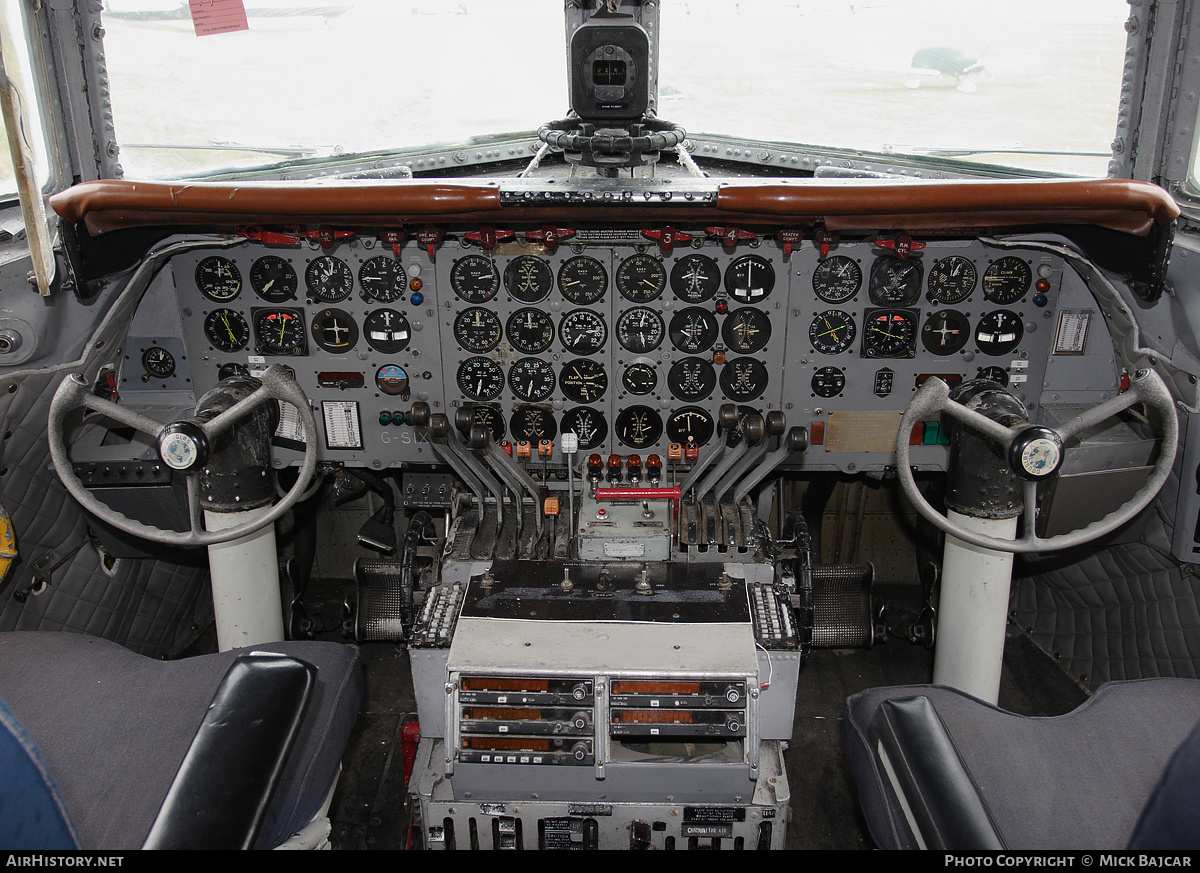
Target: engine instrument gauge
{"points": [[945, 332], [641, 278], [695, 278], [1006, 280], [532, 423], [474, 279], [279, 332], [749, 279], [587, 424], [895, 282], [889, 333], [746, 330], [693, 330], [999, 375], [392, 379], [691, 424], [831, 332], [328, 279], [951, 280], [638, 427], [226, 330], [531, 379], [640, 330], [582, 280], [582, 332], [583, 380], [528, 278], [530, 331], [218, 279], [837, 279], [158, 362], [477, 329], [691, 379], [998, 332], [382, 279], [828, 382], [744, 379], [334, 331], [480, 378], [273, 279], [639, 378], [387, 331], [491, 417]]}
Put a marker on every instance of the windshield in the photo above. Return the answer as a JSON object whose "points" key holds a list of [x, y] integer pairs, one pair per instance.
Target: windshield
{"points": [[1025, 84]]}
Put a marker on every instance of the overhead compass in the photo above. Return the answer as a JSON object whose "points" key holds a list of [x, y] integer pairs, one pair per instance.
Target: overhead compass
{"points": [[695, 278]]}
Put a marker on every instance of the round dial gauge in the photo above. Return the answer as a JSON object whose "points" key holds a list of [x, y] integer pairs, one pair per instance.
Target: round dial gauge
{"points": [[477, 330], [532, 423], [998, 332], [582, 280], [531, 379], [695, 278], [828, 382], [691, 424], [693, 330], [640, 330], [749, 279], [328, 279], [273, 279], [895, 282], [889, 333], [158, 362], [945, 332], [837, 279], [744, 379], [391, 379], [951, 280], [1006, 280], [386, 331], [530, 331], [746, 330], [491, 417], [639, 379], [638, 427], [280, 332], [641, 278], [831, 332], [382, 279], [218, 279], [480, 378], [691, 379], [334, 331], [582, 332], [587, 424], [999, 375], [528, 278], [226, 330], [231, 369], [474, 279], [583, 381]]}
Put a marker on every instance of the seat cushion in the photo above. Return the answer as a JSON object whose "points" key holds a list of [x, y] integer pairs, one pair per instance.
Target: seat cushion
{"points": [[113, 727]]}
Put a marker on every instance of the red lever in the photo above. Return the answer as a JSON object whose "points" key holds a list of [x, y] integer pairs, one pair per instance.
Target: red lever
{"points": [[667, 237], [903, 245], [636, 493], [789, 236], [326, 236], [550, 236], [824, 239], [430, 238], [395, 239], [270, 237], [487, 237], [729, 236]]}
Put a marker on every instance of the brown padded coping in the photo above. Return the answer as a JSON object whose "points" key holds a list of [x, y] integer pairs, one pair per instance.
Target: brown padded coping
{"points": [[1118, 204]]}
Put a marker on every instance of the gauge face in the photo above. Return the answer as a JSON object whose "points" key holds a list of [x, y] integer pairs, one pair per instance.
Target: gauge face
{"points": [[831, 332], [640, 330], [158, 362], [895, 282], [951, 280], [583, 381], [530, 331], [226, 330], [528, 278], [695, 278], [691, 379], [582, 332], [334, 331], [828, 382], [641, 278], [582, 280], [587, 424], [392, 379], [273, 279], [218, 279], [477, 330], [531, 379], [889, 333], [744, 379], [749, 279], [491, 417], [386, 331], [691, 424], [279, 332], [837, 279], [532, 423], [998, 332], [945, 332], [382, 279], [480, 378], [994, 374], [693, 330], [328, 279], [639, 379], [1006, 280], [638, 427], [474, 279], [746, 330]]}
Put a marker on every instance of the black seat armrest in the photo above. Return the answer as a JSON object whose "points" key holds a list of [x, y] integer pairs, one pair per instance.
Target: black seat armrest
{"points": [[221, 790], [940, 800]]}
